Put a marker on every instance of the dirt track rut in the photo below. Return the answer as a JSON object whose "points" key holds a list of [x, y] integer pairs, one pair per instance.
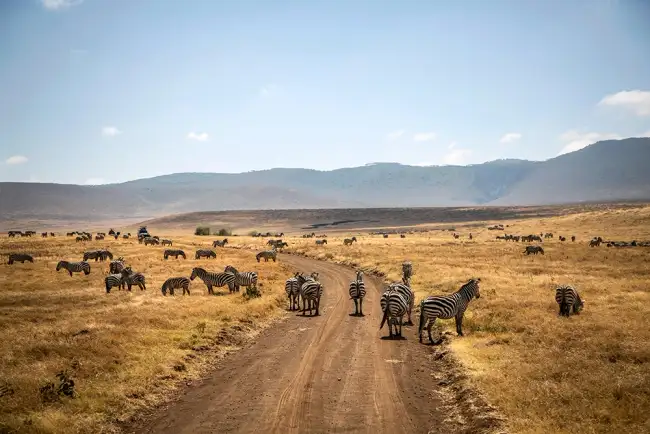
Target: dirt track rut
{"points": [[327, 374]]}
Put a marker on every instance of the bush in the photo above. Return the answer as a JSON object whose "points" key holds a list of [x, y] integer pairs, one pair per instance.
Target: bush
{"points": [[202, 230], [252, 292], [223, 232], [252, 233]]}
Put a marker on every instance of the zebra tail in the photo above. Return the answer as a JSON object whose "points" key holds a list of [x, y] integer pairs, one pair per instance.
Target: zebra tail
{"points": [[422, 320], [385, 317]]}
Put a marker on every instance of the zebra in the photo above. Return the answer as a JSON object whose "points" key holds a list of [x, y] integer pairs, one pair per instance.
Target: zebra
{"points": [[80, 239], [266, 255], [176, 283], [568, 299], [104, 255], [395, 303], [116, 266], [166, 242], [407, 269], [534, 249], [349, 241], [247, 278], [99, 237], [573, 238], [357, 291], [214, 279], [321, 242], [595, 242], [44, 234], [125, 236], [74, 267], [149, 240], [205, 253], [114, 280], [19, 257], [292, 288], [221, 243], [95, 254], [311, 291], [404, 236], [175, 253], [131, 278], [447, 306]]}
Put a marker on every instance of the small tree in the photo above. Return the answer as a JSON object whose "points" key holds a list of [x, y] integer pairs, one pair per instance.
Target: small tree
{"points": [[202, 230], [252, 233], [223, 232]]}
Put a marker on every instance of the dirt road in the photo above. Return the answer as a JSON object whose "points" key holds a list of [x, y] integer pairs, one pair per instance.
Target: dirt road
{"points": [[327, 374]]}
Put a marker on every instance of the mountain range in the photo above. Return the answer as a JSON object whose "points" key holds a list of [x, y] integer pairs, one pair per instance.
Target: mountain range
{"points": [[604, 171]]}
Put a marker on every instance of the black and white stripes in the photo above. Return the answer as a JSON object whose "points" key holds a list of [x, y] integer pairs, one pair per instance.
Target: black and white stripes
{"points": [[114, 280], [292, 288], [267, 254], [176, 283], [74, 267], [247, 279], [357, 291], [19, 257], [131, 278], [396, 302], [311, 292], [214, 279], [175, 253], [205, 253], [568, 300]]}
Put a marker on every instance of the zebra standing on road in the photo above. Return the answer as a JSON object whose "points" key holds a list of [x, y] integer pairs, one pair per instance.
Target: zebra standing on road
{"points": [[176, 283], [19, 257], [116, 266], [292, 288], [568, 299], [131, 278], [175, 253], [311, 292], [205, 253], [74, 267], [395, 302], [214, 279], [247, 278], [447, 306], [267, 254], [114, 280], [357, 291]]}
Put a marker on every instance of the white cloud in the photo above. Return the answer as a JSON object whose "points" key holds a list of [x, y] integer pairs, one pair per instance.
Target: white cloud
{"points": [[575, 140], [95, 181], [636, 100], [60, 4], [110, 131], [201, 137], [269, 90], [646, 134], [510, 137], [425, 137], [16, 159], [395, 135], [424, 164], [457, 156], [452, 145]]}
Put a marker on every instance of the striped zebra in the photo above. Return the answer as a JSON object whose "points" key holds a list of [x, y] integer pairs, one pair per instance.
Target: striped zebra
{"points": [[95, 254], [19, 257], [80, 238], [175, 253], [321, 242], [205, 253], [176, 283], [292, 288], [272, 254], [74, 267], [247, 278], [214, 279], [395, 302], [311, 292], [116, 266], [534, 250], [166, 242], [447, 307], [221, 243], [104, 255], [357, 292], [152, 241], [349, 241], [568, 299], [131, 278], [114, 280]]}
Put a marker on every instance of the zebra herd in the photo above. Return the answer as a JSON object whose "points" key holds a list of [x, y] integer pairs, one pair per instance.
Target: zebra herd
{"points": [[305, 288]]}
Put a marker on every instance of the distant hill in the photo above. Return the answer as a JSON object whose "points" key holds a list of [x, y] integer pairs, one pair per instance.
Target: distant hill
{"points": [[605, 171]]}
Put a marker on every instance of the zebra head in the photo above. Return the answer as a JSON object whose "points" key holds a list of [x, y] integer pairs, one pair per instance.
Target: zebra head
{"points": [[59, 265], [471, 288], [359, 275], [230, 269], [195, 272], [314, 275]]}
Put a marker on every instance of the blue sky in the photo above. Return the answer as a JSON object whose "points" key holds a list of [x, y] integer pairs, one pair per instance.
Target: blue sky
{"points": [[101, 91]]}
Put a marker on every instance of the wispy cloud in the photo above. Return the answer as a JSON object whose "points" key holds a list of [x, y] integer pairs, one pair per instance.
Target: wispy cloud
{"points": [[395, 135], [510, 137], [637, 101], [424, 164], [78, 51], [110, 131], [269, 90], [457, 156], [17, 159], [424, 137], [201, 137], [575, 140], [60, 4], [95, 181]]}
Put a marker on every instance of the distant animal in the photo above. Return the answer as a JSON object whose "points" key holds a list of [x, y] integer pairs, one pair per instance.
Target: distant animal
{"points": [[214, 279], [204, 253], [470, 236], [166, 242], [447, 306], [246, 279], [126, 236], [74, 267], [111, 232], [385, 235], [404, 236], [131, 278], [99, 237], [114, 280], [176, 283], [311, 292], [568, 300], [175, 253], [150, 240], [357, 291], [562, 238], [44, 234], [595, 242], [534, 250], [80, 239], [573, 238], [19, 257], [267, 254], [321, 242], [94, 254], [348, 241], [221, 243]]}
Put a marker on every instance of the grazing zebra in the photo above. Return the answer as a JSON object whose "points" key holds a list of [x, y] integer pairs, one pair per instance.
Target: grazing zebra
{"points": [[321, 242], [311, 291], [205, 253], [104, 255], [44, 234], [116, 266], [80, 239], [395, 303], [568, 299], [125, 236], [166, 242], [534, 250], [176, 283], [573, 238], [407, 269], [114, 280], [404, 236], [149, 240], [175, 253], [19, 257], [99, 237], [74, 267], [221, 243], [247, 278], [214, 279], [131, 278], [273, 254], [349, 241], [447, 306], [292, 288], [95, 254], [357, 291]]}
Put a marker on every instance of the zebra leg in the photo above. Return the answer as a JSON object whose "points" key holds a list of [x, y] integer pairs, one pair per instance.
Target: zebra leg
{"points": [[429, 325], [360, 306], [70, 273], [210, 289], [356, 306], [459, 324]]}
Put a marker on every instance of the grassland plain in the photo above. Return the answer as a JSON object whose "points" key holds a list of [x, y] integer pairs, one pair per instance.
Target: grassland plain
{"points": [[124, 351], [588, 373]]}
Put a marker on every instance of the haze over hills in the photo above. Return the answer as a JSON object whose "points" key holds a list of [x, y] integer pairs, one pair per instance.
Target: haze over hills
{"points": [[605, 171]]}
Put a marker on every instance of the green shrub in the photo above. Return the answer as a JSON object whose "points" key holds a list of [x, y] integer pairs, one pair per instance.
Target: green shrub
{"points": [[223, 232], [202, 230]]}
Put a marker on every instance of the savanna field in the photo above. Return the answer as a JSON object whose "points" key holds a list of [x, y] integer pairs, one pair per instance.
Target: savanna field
{"points": [[128, 351]]}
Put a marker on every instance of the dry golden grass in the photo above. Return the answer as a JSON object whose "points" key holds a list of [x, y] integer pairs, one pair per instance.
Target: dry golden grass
{"points": [[587, 373], [125, 351]]}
